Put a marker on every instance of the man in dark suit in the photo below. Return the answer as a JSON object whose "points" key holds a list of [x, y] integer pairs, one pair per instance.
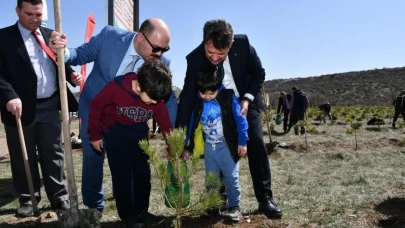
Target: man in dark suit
{"points": [[29, 80], [284, 106], [242, 72], [399, 104]]}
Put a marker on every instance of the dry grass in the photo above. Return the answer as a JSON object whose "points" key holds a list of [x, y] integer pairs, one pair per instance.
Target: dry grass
{"points": [[330, 186]]}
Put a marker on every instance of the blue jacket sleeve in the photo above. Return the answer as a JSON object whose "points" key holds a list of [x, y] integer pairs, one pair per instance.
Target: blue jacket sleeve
{"points": [[171, 105], [241, 122], [87, 52]]}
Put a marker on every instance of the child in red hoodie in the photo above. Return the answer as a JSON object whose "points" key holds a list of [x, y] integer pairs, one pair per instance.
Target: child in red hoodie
{"points": [[118, 121]]}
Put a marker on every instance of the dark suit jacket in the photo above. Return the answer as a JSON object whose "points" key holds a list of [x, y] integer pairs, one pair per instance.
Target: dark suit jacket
{"points": [[247, 72], [18, 78], [281, 103]]}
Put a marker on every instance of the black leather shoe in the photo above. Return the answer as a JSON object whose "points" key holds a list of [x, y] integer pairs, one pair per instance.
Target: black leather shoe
{"points": [[270, 209], [151, 219], [64, 205], [25, 210], [129, 223], [212, 212]]}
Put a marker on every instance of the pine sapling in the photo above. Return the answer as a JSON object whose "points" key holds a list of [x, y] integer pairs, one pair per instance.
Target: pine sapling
{"points": [[354, 126], [178, 200]]}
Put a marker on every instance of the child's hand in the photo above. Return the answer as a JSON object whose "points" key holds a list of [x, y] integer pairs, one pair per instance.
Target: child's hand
{"points": [[242, 151], [97, 145], [185, 155]]}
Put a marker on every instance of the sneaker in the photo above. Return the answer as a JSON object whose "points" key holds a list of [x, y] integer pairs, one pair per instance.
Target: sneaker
{"points": [[150, 219], [99, 215], [234, 214]]}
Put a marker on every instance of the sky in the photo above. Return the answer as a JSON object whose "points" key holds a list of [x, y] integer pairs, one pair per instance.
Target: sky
{"points": [[293, 38]]}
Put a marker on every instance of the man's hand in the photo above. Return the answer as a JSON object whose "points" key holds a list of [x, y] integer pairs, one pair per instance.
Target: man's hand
{"points": [[97, 145], [15, 107], [77, 78], [57, 41], [242, 151], [244, 104], [185, 155]]}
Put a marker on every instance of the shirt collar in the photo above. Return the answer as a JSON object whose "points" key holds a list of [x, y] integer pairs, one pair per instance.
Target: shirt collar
{"points": [[25, 32], [131, 49]]}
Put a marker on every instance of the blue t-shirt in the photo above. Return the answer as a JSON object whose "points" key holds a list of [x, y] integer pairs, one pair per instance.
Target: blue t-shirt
{"points": [[211, 122]]}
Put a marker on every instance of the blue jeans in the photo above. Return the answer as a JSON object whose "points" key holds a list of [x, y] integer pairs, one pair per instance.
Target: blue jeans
{"points": [[220, 160]]}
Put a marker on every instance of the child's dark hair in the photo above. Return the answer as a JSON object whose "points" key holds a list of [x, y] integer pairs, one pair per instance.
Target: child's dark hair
{"points": [[155, 79], [209, 79]]}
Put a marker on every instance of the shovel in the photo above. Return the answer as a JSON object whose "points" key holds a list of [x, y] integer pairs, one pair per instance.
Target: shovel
{"points": [[27, 166], [72, 218]]}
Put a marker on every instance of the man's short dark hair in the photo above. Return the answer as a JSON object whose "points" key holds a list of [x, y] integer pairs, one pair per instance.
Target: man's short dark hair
{"points": [[219, 32], [32, 2], [146, 27], [155, 79], [209, 79]]}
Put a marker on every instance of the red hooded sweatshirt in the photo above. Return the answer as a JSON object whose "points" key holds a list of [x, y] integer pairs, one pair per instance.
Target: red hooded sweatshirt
{"points": [[117, 103]]}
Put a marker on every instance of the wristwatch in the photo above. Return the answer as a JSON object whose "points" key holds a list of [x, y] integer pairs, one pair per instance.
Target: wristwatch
{"points": [[247, 99]]}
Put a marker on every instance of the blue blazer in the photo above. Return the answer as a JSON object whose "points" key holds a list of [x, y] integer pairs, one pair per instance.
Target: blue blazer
{"points": [[107, 50]]}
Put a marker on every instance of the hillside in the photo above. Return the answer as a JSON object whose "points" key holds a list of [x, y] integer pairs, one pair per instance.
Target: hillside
{"points": [[370, 87]]}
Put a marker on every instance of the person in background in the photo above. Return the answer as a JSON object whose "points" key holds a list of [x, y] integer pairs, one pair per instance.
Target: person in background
{"points": [[284, 107], [399, 103], [298, 107], [326, 108]]}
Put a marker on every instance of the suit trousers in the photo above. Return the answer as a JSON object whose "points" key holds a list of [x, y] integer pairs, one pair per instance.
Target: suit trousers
{"points": [[397, 113], [43, 134], [285, 120], [259, 164], [295, 117]]}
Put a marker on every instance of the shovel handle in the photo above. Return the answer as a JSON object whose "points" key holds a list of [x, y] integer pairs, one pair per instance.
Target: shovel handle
{"points": [[26, 165]]}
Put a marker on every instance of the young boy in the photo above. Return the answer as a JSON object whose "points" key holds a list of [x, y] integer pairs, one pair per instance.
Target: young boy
{"points": [[118, 117], [224, 131]]}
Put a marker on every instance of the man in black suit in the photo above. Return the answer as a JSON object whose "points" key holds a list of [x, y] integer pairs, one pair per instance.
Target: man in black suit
{"points": [[242, 72], [29, 80], [284, 106]]}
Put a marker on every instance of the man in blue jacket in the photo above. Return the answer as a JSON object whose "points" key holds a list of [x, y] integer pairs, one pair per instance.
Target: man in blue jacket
{"points": [[114, 52]]}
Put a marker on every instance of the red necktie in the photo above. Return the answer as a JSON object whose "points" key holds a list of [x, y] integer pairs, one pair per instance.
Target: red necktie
{"points": [[45, 48]]}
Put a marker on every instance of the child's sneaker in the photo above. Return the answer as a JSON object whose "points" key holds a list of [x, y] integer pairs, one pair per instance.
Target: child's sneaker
{"points": [[234, 214]]}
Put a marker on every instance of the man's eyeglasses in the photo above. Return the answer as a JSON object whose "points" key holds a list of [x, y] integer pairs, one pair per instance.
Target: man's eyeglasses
{"points": [[156, 49]]}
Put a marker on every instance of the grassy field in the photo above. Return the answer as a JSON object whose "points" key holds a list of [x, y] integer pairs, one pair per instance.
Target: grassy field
{"points": [[331, 185]]}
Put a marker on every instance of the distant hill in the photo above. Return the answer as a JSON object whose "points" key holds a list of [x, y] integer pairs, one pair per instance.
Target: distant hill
{"points": [[369, 87]]}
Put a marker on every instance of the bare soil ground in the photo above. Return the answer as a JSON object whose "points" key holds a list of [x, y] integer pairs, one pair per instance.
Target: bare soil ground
{"points": [[331, 185]]}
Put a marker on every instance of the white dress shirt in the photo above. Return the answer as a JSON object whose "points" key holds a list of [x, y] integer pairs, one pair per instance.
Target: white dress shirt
{"points": [[128, 57], [43, 66], [229, 82]]}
